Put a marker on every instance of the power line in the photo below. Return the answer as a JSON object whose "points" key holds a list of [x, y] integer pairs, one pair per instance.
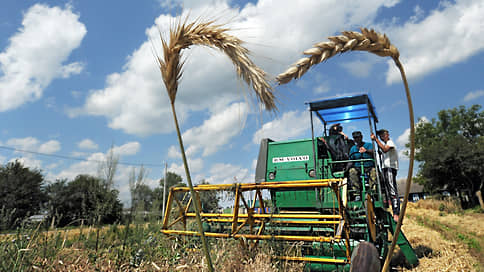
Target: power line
{"points": [[75, 158]]}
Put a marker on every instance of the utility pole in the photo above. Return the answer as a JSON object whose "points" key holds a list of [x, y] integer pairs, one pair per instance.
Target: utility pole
{"points": [[164, 191]]}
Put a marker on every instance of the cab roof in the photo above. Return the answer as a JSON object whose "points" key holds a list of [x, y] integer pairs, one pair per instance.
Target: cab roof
{"points": [[344, 109]]}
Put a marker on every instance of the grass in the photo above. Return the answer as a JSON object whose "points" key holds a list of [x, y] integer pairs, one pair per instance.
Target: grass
{"points": [[453, 242], [145, 249]]}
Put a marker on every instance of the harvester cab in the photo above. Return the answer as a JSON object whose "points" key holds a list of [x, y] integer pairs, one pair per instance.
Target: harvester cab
{"points": [[305, 184]]}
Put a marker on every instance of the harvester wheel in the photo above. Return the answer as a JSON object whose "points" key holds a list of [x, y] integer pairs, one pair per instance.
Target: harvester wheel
{"points": [[370, 217], [365, 258]]}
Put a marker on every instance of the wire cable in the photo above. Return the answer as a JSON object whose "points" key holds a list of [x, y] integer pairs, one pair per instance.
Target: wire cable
{"points": [[75, 158]]}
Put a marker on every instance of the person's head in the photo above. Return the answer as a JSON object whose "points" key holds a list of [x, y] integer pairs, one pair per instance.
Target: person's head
{"points": [[383, 134], [335, 129], [357, 137]]}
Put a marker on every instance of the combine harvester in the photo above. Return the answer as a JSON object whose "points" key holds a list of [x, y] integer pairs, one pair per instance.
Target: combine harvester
{"points": [[308, 205]]}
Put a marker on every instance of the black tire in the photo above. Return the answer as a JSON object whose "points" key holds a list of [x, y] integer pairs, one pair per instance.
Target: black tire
{"points": [[365, 258]]}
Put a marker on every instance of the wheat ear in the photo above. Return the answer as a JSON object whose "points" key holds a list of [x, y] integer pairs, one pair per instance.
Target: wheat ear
{"points": [[367, 40], [376, 43], [182, 36], [209, 34]]}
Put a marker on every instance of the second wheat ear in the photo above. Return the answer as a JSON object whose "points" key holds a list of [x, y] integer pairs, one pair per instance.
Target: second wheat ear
{"points": [[367, 40], [376, 43]]}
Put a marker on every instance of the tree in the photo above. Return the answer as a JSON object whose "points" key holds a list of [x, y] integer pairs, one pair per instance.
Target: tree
{"points": [[21, 192], [451, 150], [209, 199], [107, 168], [79, 200], [172, 179]]}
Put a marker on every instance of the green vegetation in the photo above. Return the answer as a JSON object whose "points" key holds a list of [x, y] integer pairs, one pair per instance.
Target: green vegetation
{"points": [[451, 152], [146, 249], [20, 194], [84, 198]]}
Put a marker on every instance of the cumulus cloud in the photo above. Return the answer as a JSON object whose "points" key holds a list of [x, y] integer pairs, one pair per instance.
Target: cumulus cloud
{"points": [[209, 82], [445, 37], [50, 147], [404, 139], [291, 124], [28, 161], [223, 173], [218, 130], [127, 149], [87, 144], [470, 96], [92, 163], [27, 143], [34, 145], [23, 74], [195, 165]]}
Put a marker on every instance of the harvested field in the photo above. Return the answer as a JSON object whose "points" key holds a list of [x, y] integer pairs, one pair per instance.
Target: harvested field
{"points": [[445, 238], [447, 241]]}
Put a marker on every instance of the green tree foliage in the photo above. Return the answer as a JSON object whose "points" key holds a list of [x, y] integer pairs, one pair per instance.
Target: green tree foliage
{"points": [[21, 193], [172, 179], [451, 150], [209, 199], [144, 197], [85, 198]]}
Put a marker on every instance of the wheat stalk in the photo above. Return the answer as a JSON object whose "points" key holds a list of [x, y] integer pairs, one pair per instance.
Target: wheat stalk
{"points": [[182, 36], [209, 34], [376, 43], [367, 40]]}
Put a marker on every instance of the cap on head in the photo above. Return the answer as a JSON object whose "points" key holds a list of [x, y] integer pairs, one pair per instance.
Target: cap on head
{"points": [[381, 132], [356, 134]]}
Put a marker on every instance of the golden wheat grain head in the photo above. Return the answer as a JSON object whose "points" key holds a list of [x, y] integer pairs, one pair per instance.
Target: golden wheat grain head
{"points": [[368, 40], [207, 33]]}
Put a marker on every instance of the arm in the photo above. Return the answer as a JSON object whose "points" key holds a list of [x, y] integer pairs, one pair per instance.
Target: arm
{"points": [[385, 148], [366, 149]]}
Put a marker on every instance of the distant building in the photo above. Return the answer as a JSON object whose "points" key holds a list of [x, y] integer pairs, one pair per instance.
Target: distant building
{"points": [[416, 190]]}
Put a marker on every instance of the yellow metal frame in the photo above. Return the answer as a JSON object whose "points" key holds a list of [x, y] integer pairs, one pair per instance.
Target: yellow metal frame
{"points": [[253, 220]]}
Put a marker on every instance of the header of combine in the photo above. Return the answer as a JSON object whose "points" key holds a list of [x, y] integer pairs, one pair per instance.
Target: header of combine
{"points": [[309, 201]]}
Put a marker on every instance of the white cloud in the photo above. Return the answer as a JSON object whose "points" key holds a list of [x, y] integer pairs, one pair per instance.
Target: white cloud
{"points": [[445, 37], [291, 124], [87, 144], [223, 173], [173, 152], [28, 161], [50, 147], [88, 167], [419, 14], [36, 53], [27, 143], [92, 164], [404, 139], [195, 165], [127, 149], [209, 82], [34, 145], [473, 95], [218, 130]]}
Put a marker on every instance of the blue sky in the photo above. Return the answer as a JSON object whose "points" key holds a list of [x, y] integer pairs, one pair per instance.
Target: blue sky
{"points": [[79, 77]]}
